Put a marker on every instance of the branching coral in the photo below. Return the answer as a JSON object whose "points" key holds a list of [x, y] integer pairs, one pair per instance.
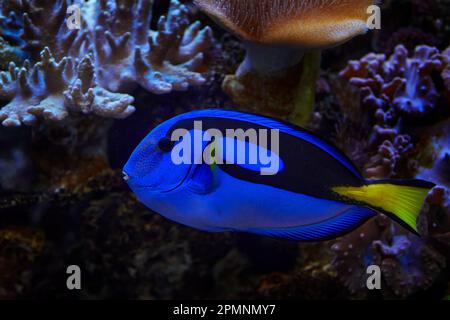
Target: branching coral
{"points": [[10, 23], [9, 53], [402, 81], [385, 161], [51, 89], [160, 61], [85, 70], [436, 163], [398, 90], [10, 41], [44, 25]]}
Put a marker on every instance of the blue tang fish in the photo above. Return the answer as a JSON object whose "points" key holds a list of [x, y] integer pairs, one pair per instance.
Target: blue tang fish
{"points": [[315, 193]]}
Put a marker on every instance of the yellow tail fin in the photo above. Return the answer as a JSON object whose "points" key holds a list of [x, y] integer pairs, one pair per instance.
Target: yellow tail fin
{"points": [[403, 199]]}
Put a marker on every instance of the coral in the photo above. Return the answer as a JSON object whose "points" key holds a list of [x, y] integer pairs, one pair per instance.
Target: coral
{"points": [[9, 53], [312, 278], [408, 264], [396, 93], [44, 26], [10, 23], [446, 74], [407, 22], [91, 70], [434, 221], [400, 85], [10, 41], [435, 163], [50, 89], [325, 23], [288, 93], [160, 61], [385, 162]]}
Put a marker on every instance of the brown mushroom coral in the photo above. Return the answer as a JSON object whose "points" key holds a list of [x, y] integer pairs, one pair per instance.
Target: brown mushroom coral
{"points": [[283, 39]]}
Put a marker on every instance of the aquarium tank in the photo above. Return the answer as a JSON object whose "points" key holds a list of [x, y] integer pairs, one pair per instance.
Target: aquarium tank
{"points": [[224, 150]]}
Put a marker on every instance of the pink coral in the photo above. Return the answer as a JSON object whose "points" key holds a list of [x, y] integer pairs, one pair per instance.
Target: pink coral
{"points": [[402, 82], [396, 92], [384, 163]]}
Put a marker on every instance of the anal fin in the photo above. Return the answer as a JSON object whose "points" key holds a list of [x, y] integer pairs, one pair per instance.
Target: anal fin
{"points": [[325, 230]]}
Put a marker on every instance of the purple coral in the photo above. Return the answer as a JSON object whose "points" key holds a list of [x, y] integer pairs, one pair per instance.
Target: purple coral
{"points": [[395, 91], [434, 221], [128, 53], [384, 163], [91, 70], [403, 82], [408, 264], [10, 24], [446, 74], [50, 89], [437, 167]]}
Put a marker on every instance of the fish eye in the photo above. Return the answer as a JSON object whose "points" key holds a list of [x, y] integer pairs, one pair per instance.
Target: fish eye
{"points": [[165, 144]]}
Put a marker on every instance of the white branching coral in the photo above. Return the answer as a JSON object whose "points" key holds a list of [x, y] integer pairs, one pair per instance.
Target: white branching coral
{"points": [[160, 61], [50, 89], [92, 69]]}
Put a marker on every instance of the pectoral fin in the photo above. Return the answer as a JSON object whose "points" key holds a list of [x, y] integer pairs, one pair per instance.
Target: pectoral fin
{"points": [[202, 179]]}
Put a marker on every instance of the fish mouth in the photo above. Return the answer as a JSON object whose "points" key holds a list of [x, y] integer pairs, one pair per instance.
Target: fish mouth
{"points": [[125, 176], [137, 186]]}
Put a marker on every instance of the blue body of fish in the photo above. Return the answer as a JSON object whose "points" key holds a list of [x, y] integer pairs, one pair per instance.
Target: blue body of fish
{"points": [[296, 202]]}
